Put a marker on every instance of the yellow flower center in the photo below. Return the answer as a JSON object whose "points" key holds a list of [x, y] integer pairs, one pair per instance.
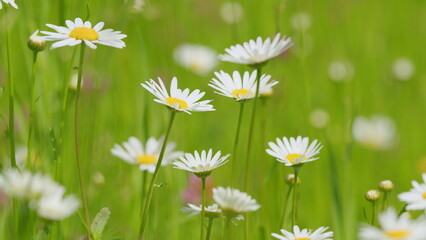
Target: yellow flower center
{"points": [[243, 92], [196, 67], [181, 104], [293, 156], [84, 33], [146, 159], [302, 239], [424, 195], [397, 234]]}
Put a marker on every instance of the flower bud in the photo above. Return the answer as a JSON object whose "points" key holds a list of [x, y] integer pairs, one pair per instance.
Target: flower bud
{"points": [[372, 195], [289, 179], [268, 93], [386, 186], [36, 43]]}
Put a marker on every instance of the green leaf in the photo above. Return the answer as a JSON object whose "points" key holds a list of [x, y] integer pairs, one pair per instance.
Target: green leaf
{"points": [[98, 224]]}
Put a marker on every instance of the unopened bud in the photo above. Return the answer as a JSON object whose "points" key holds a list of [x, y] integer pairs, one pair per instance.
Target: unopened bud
{"points": [[36, 43], [372, 195], [289, 179], [386, 185]]}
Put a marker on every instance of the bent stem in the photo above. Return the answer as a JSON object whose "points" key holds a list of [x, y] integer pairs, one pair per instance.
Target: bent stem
{"points": [[154, 177], [143, 190], [32, 103], [11, 96], [282, 225], [203, 205], [77, 143], [209, 228], [237, 137], [296, 175]]}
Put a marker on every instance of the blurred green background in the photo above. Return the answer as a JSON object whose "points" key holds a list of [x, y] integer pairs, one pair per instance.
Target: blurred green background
{"points": [[366, 35]]}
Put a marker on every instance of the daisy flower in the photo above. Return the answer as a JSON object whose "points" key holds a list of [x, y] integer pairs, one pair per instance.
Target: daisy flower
{"points": [[178, 100], [146, 156], [233, 202], [201, 164], [239, 87], [197, 58], [11, 2], [212, 211], [394, 227], [78, 31], [416, 197], [378, 132], [319, 234], [36, 42], [256, 52], [15, 183], [294, 152], [55, 207]]}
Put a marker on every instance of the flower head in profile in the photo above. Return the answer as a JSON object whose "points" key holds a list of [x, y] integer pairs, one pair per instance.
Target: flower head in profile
{"points": [[305, 234], [11, 2], [57, 207], [78, 32], [197, 58], [241, 88], [178, 100], [36, 42], [393, 227], [378, 132], [212, 211], [416, 197], [294, 151], [256, 52], [14, 183], [233, 202], [201, 164], [134, 152]]}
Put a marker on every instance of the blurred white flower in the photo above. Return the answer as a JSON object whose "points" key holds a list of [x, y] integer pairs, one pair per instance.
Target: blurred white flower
{"points": [[98, 178], [393, 227], [15, 183], [319, 118], [11, 2], [304, 234], [300, 21], [56, 207], [197, 58], [146, 156], [340, 71], [378, 133], [403, 69], [231, 12], [416, 197], [233, 202], [212, 211], [138, 5]]}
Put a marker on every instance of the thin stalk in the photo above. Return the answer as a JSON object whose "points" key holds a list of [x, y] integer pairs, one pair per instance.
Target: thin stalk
{"points": [[209, 228], [63, 113], [250, 135], [250, 138], [154, 177], [373, 210], [282, 225], [385, 198], [296, 175], [237, 137], [227, 231], [143, 190], [11, 96], [32, 103], [203, 205], [77, 143]]}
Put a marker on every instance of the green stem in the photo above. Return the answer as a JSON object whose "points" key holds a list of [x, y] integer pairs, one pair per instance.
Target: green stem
{"points": [[282, 225], [63, 115], [209, 228], [32, 103], [227, 231], [294, 209], [385, 198], [250, 135], [11, 96], [154, 177], [203, 205], [77, 143], [237, 137], [373, 214], [143, 190]]}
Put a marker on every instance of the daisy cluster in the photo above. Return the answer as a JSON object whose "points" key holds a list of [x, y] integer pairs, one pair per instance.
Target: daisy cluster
{"points": [[41, 193]]}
